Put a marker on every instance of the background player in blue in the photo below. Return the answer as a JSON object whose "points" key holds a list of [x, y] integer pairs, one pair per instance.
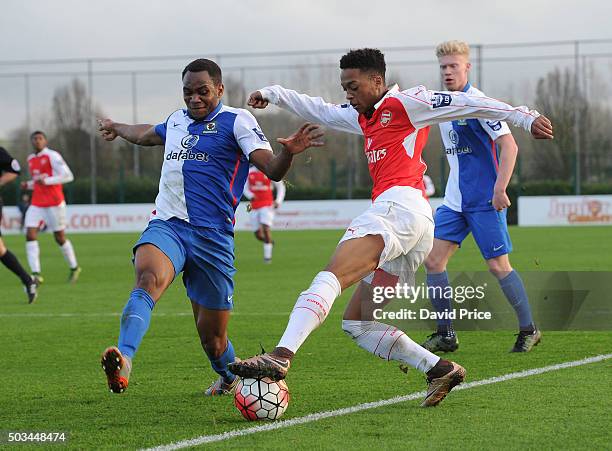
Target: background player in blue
{"points": [[208, 148], [481, 155], [9, 170]]}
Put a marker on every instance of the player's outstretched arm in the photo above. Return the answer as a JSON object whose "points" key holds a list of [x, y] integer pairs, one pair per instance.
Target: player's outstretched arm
{"points": [[277, 166], [313, 109], [431, 107], [141, 134]]}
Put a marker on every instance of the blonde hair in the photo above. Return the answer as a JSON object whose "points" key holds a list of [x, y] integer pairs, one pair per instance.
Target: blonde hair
{"points": [[453, 48]]}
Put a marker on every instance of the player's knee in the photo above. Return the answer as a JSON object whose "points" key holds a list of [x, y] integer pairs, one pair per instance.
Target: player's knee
{"points": [[149, 281], [499, 269]]}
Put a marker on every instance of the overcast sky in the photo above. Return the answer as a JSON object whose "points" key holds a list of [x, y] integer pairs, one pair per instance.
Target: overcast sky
{"points": [[83, 28], [40, 29]]}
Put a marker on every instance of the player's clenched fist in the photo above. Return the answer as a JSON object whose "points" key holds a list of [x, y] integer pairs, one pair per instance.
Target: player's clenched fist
{"points": [[107, 129], [542, 128], [500, 200], [256, 100]]}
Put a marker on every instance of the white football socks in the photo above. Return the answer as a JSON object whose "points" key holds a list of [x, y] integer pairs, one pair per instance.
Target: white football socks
{"points": [[267, 251], [69, 254], [389, 343], [310, 310], [33, 254]]}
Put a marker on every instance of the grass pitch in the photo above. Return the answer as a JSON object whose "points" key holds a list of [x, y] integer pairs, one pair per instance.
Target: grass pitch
{"points": [[52, 379]]}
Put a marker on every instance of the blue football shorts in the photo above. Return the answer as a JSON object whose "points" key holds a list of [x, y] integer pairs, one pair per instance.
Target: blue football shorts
{"points": [[204, 255], [489, 228]]}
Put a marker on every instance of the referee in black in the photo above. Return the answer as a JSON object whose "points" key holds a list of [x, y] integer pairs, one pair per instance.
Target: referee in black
{"points": [[9, 170]]}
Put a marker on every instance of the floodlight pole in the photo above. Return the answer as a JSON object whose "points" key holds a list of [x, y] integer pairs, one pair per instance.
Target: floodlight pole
{"points": [[479, 66], [136, 152], [26, 81], [243, 94], [92, 134], [577, 118]]}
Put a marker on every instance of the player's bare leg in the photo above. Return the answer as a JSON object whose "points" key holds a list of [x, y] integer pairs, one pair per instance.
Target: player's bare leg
{"points": [[259, 233], [154, 274], [352, 260], [212, 330], [390, 343], [444, 339], [514, 290], [69, 255]]}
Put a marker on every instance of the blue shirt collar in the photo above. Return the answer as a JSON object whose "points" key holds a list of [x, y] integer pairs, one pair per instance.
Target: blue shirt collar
{"points": [[467, 87], [210, 115]]}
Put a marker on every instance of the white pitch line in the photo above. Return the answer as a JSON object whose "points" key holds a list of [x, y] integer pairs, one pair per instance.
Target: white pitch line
{"points": [[368, 405], [118, 314]]}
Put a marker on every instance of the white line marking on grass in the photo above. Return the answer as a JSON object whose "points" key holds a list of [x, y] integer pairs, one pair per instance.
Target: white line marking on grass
{"points": [[368, 405], [118, 314]]}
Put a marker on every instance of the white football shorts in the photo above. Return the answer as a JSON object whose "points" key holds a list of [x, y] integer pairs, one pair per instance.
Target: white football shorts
{"points": [[408, 237], [262, 216], [54, 217]]}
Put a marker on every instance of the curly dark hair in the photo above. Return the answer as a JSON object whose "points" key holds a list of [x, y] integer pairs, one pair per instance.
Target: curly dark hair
{"points": [[38, 132], [204, 65], [372, 60]]}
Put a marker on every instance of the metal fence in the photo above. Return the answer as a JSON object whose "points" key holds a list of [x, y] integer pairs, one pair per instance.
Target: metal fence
{"points": [[147, 88]]}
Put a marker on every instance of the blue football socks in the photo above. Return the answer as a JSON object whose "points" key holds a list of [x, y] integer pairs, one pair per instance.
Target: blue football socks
{"points": [[514, 289], [220, 364], [438, 283], [135, 321]]}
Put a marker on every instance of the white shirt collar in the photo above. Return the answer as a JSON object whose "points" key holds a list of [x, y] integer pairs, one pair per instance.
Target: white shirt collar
{"points": [[392, 90]]}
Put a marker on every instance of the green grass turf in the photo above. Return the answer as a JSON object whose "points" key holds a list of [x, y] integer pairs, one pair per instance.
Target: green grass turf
{"points": [[51, 379]]}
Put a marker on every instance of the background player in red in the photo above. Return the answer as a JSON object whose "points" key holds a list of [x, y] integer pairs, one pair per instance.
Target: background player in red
{"points": [[258, 190], [9, 170], [49, 172]]}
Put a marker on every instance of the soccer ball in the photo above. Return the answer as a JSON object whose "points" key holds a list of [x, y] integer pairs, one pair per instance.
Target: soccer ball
{"points": [[261, 399]]}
